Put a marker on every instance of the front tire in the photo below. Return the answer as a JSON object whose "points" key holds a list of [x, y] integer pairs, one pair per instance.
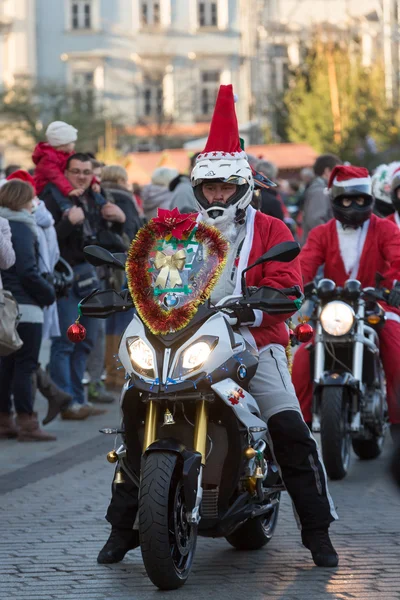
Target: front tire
{"points": [[368, 449], [167, 540], [335, 435], [257, 532]]}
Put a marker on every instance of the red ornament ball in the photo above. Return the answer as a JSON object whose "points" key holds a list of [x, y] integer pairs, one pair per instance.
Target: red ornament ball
{"points": [[304, 332], [76, 333]]}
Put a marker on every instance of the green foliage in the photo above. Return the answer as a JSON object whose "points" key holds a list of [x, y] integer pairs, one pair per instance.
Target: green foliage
{"points": [[363, 109], [29, 107]]}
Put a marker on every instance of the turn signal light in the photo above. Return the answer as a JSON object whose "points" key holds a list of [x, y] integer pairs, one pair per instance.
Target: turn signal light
{"points": [[373, 319]]}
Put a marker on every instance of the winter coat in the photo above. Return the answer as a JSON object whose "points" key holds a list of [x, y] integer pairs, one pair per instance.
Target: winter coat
{"points": [[73, 238], [127, 203], [50, 166], [23, 279], [7, 254], [263, 232], [379, 253], [183, 197], [154, 197], [317, 206], [270, 204], [49, 253]]}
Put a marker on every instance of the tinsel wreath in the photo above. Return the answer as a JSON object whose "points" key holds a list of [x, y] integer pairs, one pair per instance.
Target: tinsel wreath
{"points": [[158, 320]]}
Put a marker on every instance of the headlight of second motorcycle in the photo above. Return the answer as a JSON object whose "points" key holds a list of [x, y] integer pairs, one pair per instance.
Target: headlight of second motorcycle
{"points": [[337, 318], [141, 356]]}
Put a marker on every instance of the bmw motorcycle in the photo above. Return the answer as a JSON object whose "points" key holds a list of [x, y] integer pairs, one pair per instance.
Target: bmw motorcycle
{"points": [[205, 468], [349, 401]]}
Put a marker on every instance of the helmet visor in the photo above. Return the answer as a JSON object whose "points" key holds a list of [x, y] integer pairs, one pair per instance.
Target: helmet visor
{"points": [[353, 190], [232, 179]]}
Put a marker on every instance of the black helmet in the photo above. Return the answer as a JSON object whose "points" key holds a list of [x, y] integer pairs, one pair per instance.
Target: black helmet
{"points": [[350, 182]]}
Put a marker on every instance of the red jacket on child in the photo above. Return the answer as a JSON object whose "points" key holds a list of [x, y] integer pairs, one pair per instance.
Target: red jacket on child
{"points": [[50, 166]]}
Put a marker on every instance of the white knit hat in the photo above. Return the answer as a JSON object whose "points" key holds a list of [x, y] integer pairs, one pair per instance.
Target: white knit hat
{"points": [[59, 133]]}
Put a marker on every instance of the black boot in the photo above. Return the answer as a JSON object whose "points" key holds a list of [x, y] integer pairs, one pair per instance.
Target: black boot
{"points": [[117, 545], [395, 433], [320, 546], [58, 399]]}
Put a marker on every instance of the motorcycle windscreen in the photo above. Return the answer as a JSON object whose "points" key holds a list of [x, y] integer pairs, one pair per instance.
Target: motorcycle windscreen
{"points": [[180, 271]]}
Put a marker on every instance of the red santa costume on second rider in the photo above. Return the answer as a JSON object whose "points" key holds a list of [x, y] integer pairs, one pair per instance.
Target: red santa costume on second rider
{"points": [[372, 248]]}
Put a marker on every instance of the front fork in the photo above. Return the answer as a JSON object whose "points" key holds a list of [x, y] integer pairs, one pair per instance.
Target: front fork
{"points": [[199, 445]]}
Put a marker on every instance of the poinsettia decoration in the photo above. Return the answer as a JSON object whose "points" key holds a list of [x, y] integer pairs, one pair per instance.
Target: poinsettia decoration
{"points": [[148, 267], [172, 222]]}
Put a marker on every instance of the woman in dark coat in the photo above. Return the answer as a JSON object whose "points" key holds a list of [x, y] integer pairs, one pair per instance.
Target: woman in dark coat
{"points": [[33, 292], [114, 180]]}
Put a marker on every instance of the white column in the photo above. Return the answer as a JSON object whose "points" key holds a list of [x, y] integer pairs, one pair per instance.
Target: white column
{"points": [[223, 14], [165, 10], [168, 91]]}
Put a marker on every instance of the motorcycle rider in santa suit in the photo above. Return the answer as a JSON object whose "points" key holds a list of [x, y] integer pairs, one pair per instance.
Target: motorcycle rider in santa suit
{"points": [[355, 244], [223, 185]]}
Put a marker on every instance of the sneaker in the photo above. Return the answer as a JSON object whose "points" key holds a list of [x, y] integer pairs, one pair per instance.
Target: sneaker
{"points": [[320, 546], [75, 412], [86, 378], [98, 393], [93, 411], [117, 545]]}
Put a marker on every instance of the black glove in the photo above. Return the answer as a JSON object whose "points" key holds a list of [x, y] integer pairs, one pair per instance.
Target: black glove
{"points": [[394, 297], [245, 316]]}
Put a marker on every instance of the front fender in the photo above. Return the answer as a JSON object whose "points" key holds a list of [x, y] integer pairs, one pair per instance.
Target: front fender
{"points": [[191, 465], [333, 379]]}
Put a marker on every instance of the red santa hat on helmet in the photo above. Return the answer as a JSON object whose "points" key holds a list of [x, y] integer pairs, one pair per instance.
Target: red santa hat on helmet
{"points": [[347, 177], [223, 139]]}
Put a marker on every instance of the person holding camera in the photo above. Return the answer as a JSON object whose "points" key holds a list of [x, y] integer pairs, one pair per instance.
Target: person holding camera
{"points": [[33, 292], [79, 221]]}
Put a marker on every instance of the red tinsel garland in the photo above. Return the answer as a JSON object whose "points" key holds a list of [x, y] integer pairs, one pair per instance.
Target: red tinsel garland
{"points": [[158, 320]]}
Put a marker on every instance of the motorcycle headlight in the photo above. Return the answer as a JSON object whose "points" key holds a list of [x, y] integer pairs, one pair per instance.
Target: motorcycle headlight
{"points": [[141, 356], [337, 318], [195, 356]]}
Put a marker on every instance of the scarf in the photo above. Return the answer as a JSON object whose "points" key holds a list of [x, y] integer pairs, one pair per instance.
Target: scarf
{"points": [[20, 216]]}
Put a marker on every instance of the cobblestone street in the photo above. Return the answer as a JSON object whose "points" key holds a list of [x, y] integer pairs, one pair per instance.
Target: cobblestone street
{"points": [[52, 521]]}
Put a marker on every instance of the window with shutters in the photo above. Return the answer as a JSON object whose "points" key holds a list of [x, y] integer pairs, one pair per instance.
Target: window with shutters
{"points": [[153, 98], [81, 14], [150, 13], [209, 89], [207, 13], [83, 90]]}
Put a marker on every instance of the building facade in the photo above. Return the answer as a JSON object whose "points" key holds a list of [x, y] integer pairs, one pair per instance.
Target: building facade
{"points": [[142, 57]]}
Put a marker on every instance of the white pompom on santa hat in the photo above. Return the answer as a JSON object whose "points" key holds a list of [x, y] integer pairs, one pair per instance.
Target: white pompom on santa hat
{"points": [[344, 176], [223, 139]]}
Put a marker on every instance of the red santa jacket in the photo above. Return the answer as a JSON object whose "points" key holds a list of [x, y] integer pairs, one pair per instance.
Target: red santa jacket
{"points": [[380, 254], [50, 166], [392, 218], [263, 232]]}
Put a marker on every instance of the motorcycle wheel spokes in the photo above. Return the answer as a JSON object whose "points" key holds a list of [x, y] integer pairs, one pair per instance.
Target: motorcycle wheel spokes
{"points": [[180, 531]]}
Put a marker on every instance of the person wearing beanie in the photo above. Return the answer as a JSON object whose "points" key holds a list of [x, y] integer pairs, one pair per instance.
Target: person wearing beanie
{"points": [[51, 158], [355, 244], [223, 184]]}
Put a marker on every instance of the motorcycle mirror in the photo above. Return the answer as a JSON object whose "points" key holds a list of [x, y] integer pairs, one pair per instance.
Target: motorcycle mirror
{"points": [[98, 256], [284, 252]]}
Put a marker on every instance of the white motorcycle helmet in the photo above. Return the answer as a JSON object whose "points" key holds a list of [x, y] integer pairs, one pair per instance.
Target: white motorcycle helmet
{"points": [[223, 160], [381, 190], [225, 170]]}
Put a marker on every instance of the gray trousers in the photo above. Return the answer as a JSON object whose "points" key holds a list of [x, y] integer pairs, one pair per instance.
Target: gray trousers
{"points": [[272, 386]]}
